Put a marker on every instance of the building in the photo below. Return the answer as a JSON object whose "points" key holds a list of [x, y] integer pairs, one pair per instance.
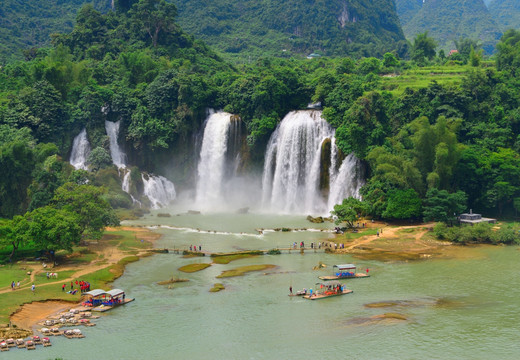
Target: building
{"points": [[474, 218]]}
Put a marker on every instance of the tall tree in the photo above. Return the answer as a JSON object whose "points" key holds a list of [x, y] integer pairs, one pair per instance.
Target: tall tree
{"points": [[154, 17]]}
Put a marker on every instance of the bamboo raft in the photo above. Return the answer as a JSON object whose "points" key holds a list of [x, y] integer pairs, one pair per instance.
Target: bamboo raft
{"points": [[103, 308], [327, 294], [30, 345], [46, 342], [3, 346], [334, 277]]}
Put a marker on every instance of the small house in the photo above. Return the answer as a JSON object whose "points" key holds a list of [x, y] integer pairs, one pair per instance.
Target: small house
{"points": [[474, 218]]}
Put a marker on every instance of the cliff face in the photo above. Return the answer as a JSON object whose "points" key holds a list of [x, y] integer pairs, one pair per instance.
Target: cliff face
{"points": [[506, 13], [276, 27], [448, 20]]}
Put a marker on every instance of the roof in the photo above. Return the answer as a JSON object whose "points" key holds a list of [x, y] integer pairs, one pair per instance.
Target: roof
{"points": [[115, 292], [345, 266], [329, 283], [95, 292]]}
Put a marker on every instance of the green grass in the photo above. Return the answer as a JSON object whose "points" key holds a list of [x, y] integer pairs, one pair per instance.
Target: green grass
{"points": [[9, 273], [217, 287], [422, 77], [244, 269], [191, 268], [42, 277], [362, 232], [228, 258]]}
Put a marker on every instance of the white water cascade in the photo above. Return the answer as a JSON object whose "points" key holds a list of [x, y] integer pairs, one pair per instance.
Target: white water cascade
{"points": [[217, 161], [118, 156], [347, 182], [159, 190], [293, 162], [80, 151]]}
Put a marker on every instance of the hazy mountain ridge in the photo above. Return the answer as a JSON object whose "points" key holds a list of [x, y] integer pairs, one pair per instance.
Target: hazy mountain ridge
{"points": [[24, 24], [506, 13], [450, 20], [275, 27]]}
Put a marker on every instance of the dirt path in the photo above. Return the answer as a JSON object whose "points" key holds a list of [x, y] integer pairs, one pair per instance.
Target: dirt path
{"points": [[387, 233]]}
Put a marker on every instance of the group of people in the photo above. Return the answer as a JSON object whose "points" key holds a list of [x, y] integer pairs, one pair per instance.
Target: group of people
{"points": [[194, 248], [81, 285]]}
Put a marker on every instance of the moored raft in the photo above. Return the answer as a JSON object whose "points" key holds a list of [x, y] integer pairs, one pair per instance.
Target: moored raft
{"points": [[37, 340], [10, 343], [20, 344], [46, 342], [3, 346], [30, 345], [344, 271]]}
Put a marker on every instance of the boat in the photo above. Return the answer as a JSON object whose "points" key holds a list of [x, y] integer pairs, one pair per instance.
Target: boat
{"points": [[331, 289], [345, 271], [46, 342], [30, 345], [101, 300], [10, 342], [299, 293], [3, 346], [20, 343], [37, 340]]}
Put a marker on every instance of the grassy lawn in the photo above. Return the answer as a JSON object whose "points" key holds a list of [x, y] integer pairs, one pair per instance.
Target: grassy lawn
{"points": [[191, 268], [226, 259], [9, 273], [362, 232]]}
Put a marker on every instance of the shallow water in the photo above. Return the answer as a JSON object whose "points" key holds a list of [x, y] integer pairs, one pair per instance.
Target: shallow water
{"points": [[465, 309]]}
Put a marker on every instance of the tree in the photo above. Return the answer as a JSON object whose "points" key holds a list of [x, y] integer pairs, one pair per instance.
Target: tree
{"points": [[508, 51], [349, 211], [14, 232], [154, 16], [93, 212], [403, 204], [423, 48], [465, 45], [389, 60], [442, 206], [53, 229], [98, 159]]}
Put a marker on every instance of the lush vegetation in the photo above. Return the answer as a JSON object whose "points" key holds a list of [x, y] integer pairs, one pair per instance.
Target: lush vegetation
{"points": [[27, 25], [506, 13], [450, 20], [431, 148], [251, 29]]}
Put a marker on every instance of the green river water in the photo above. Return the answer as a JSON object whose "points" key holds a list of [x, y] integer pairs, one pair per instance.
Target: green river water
{"points": [[455, 308]]}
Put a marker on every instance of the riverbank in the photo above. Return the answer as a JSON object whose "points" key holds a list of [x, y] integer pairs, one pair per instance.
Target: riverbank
{"points": [[97, 262]]}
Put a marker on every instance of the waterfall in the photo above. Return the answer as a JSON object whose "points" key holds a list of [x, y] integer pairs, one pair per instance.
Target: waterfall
{"points": [[292, 163], [159, 190], [347, 182], [293, 177], [80, 151], [118, 156], [218, 157]]}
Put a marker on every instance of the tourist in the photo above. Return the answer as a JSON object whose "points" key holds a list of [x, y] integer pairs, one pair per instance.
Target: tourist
{"points": [[63, 287], [367, 271], [310, 292], [47, 274], [71, 286], [18, 284], [200, 247], [377, 233], [191, 248], [33, 288], [290, 290], [12, 285]]}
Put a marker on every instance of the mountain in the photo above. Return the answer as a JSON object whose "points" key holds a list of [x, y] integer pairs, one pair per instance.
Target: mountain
{"points": [[239, 29], [506, 13], [26, 24], [448, 20]]}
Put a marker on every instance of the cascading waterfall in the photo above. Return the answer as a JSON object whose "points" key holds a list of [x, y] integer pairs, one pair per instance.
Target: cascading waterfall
{"points": [[159, 190], [80, 151], [347, 182], [294, 163], [118, 156], [218, 157]]}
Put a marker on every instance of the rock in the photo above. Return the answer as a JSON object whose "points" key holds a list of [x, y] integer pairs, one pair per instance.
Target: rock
{"points": [[193, 212], [163, 215], [244, 210], [315, 220]]}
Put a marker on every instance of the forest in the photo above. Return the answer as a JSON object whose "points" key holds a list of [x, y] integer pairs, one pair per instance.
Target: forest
{"points": [[431, 147]]}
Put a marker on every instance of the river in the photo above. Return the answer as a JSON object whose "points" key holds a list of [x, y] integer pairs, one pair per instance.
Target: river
{"points": [[463, 308]]}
